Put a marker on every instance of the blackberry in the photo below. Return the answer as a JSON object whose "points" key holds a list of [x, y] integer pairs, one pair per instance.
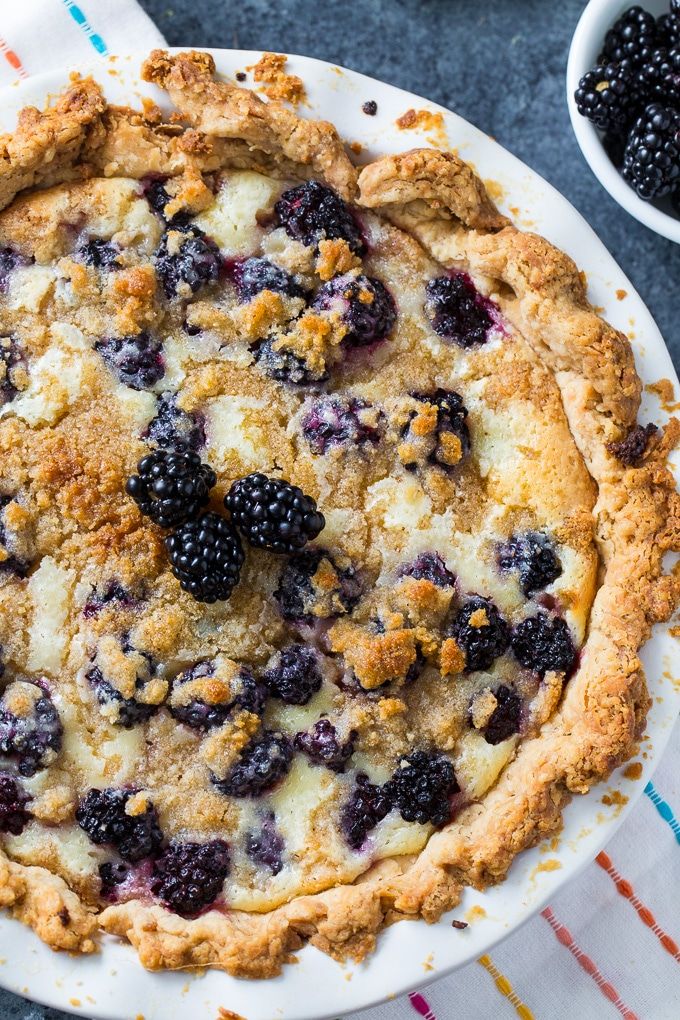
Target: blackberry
{"points": [[651, 162], [98, 254], [112, 592], [504, 721], [607, 96], [457, 311], [451, 421], [630, 39], [421, 787], [272, 514], [206, 557], [300, 599], [659, 78], [188, 877], [195, 264], [322, 746], [542, 643], [155, 193], [312, 211], [631, 450], [13, 800], [284, 366], [34, 737], [174, 428], [263, 763], [10, 259], [11, 564], [481, 632], [265, 846], [429, 567], [111, 875], [172, 486], [129, 711], [668, 28], [254, 275], [294, 676], [366, 306], [532, 556], [137, 360], [248, 694], [368, 804], [101, 814], [338, 421], [11, 360], [370, 107]]}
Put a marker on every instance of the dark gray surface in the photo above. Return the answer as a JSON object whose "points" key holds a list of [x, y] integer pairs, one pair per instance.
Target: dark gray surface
{"points": [[500, 65]]}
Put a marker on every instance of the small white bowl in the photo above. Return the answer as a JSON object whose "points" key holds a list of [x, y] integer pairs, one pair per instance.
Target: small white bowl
{"points": [[586, 45]]}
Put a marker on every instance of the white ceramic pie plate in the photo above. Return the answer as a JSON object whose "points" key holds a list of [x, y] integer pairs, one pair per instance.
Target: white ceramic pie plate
{"points": [[112, 984]]}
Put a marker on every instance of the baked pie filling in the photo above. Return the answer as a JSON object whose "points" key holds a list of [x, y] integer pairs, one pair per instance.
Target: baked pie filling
{"points": [[327, 534]]}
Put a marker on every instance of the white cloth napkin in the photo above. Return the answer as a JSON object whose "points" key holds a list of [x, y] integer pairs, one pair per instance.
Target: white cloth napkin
{"points": [[609, 945]]}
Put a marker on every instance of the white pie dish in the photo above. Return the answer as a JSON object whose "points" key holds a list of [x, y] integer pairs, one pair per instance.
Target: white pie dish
{"points": [[586, 45], [113, 984]]}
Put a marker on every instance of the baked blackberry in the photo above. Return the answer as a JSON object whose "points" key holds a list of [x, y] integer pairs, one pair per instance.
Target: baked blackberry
{"points": [[630, 39], [11, 359], [429, 567], [263, 763], [532, 557], [631, 450], [481, 632], [272, 514], [504, 721], [421, 786], [544, 643], [248, 694], [651, 161], [457, 311], [172, 486], [301, 600], [34, 737], [174, 428], [608, 96], [294, 676], [338, 421], [186, 260], [11, 564], [188, 877], [206, 557], [256, 274], [154, 191], [285, 366], [265, 846], [98, 254], [101, 814], [451, 421], [137, 360], [129, 711], [111, 875], [312, 212], [111, 592], [322, 746], [13, 800], [366, 306], [659, 77], [10, 259], [368, 804]]}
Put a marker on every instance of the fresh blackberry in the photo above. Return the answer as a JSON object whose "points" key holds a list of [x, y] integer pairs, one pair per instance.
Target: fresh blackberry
{"points": [[504, 721], [668, 27], [113, 591], [256, 274], [338, 421], [659, 77], [312, 211], [300, 599], [13, 800], [631, 450], [294, 676], [10, 259], [111, 875], [285, 366], [429, 567], [322, 747], [188, 877], [421, 787], [272, 514], [265, 846], [544, 643], [608, 96], [532, 557], [172, 486], [12, 360], [368, 804], [206, 557], [35, 736], [101, 814], [248, 694], [137, 360], [129, 711], [366, 306], [98, 254], [263, 763], [651, 162], [630, 39], [457, 311], [186, 262], [175, 428], [481, 632]]}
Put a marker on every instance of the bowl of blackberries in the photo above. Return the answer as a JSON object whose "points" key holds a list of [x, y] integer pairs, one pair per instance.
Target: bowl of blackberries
{"points": [[623, 85]]}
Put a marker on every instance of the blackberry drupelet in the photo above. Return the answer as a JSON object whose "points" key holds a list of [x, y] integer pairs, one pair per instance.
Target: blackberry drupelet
{"points": [[368, 804], [294, 676], [481, 632], [188, 261], [111, 875], [608, 96], [504, 721], [457, 311], [266, 845], [13, 800], [188, 877], [137, 360], [532, 556], [365, 304], [429, 567], [101, 814], [272, 514], [544, 643], [254, 275], [206, 557], [172, 486], [630, 39], [312, 211], [421, 786], [322, 746], [651, 161], [263, 763], [668, 27]]}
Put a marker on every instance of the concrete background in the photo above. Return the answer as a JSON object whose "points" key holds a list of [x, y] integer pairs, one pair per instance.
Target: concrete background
{"points": [[501, 65]]}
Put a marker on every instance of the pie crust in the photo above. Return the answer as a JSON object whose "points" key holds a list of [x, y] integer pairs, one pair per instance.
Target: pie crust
{"points": [[438, 199]]}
